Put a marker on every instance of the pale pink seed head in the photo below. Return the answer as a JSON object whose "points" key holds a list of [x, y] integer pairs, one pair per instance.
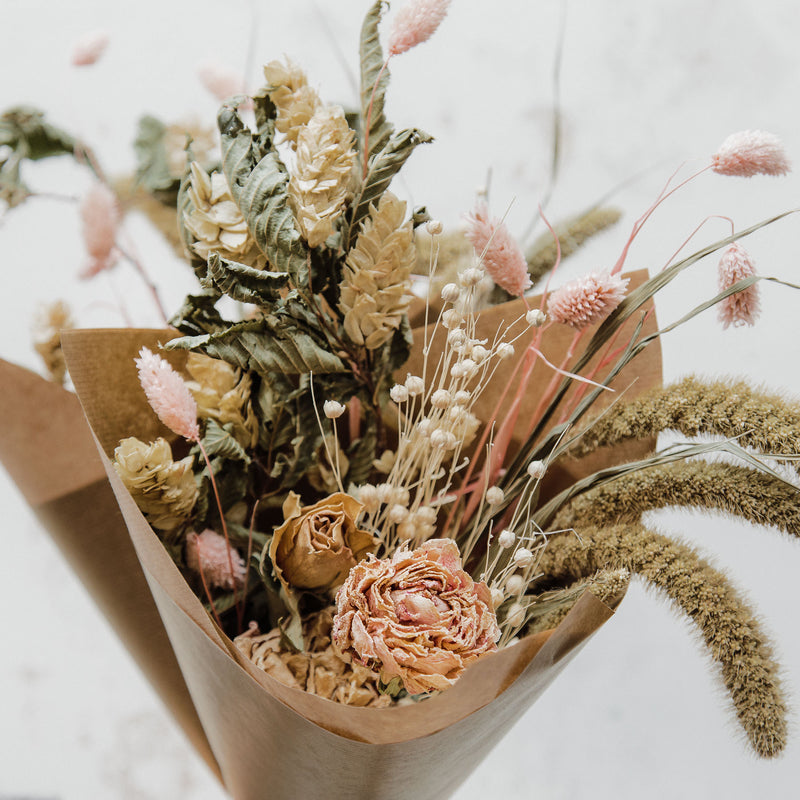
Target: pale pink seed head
{"points": [[587, 300], [168, 395], [749, 153], [208, 553], [221, 82], [88, 48], [502, 257], [743, 307], [415, 23], [100, 218]]}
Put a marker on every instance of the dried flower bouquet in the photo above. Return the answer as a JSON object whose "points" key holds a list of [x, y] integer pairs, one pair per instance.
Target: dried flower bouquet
{"points": [[363, 512]]}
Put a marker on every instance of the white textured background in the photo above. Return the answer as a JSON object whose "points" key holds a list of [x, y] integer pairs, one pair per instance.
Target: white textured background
{"points": [[645, 86]]}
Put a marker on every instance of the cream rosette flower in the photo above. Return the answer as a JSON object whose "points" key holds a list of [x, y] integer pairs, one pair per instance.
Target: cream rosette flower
{"points": [[416, 616], [317, 545]]}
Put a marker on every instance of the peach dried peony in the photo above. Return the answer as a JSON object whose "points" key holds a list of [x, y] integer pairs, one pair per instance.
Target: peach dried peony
{"points": [[416, 616], [317, 545], [209, 554]]}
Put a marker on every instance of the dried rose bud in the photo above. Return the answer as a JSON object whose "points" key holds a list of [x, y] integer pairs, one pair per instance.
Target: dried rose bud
{"points": [[416, 616], [317, 545]]}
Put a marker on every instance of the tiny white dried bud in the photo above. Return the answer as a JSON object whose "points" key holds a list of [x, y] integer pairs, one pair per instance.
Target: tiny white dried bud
{"points": [[494, 496], [398, 393], [536, 469], [536, 317], [457, 413], [516, 615], [426, 515], [457, 370], [368, 496], [457, 338], [332, 409], [385, 492], [400, 495], [414, 385], [451, 440], [515, 584], [451, 319], [504, 350], [407, 530], [424, 426], [479, 354], [439, 439], [398, 514], [470, 277], [497, 597], [469, 366], [434, 227], [441, 398], [506, 538], [451, 293], [523, 557], [462, 397]]}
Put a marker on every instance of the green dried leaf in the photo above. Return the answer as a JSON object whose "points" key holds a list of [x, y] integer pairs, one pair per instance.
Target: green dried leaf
{"points": [[259, 185], [152, 161], [374, 82], [382, 168], [199, 315], [220, 442], [243, 283], [25, 130], [362, 453]]}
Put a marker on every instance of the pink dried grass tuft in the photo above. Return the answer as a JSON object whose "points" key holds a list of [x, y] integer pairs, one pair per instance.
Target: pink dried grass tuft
{"points": [[100, 218], [220, 564], [743, 307], [168, 395], [587, 300], [749, 153], [88, 49], [415, 23], [501, 255], [221, 81]]}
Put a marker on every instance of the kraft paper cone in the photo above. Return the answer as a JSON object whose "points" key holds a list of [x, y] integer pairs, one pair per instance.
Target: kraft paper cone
{"points": [[49, 452], [274, 741]]}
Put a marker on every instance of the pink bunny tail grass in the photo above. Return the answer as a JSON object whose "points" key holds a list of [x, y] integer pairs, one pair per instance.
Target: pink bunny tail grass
{"points": [[220, 81], [587, 300], [168, 395], [743, 307], [500, 254], [415, 23], [749, 153], [88, 49], [209, 553], [100, 218]]}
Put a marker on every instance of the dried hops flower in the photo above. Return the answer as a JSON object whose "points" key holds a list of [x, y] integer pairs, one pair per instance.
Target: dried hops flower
{"points": [[209, 555], [587, 300], [222, 393], [742, 307], [416, 616], [164, 490], [316, 545], [320, 182], [376, 289], [500, 254], [295, 100], [216, 222], [749, 153]]}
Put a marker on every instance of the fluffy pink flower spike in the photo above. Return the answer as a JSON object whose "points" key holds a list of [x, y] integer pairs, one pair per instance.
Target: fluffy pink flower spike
{"points": [[749, 153], [415, 23], [221, 81], [168, 395], [587, 300], [208, 553], [742, 307], [502, 257], [100, 218], [89, 48]]}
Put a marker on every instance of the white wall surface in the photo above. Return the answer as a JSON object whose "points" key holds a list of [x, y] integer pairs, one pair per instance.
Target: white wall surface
{"points": [[644, 86]]}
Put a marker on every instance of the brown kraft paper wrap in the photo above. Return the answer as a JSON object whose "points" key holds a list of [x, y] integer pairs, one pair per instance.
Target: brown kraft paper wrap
{"points": [[274, 741]]}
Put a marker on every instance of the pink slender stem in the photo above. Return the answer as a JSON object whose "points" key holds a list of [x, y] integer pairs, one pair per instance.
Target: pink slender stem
{"points": [[137, 265]]}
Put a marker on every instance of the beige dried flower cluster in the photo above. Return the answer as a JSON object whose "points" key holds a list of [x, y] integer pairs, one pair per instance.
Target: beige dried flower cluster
{"points": [[320, 181], [216, 222], [164, 490], [47, 338], [222, 393], [296, 101], [376, 289], [319, 669]]}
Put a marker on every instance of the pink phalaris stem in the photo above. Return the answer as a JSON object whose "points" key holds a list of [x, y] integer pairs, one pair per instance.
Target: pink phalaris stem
{"points": [[749, 153], [415, 23], [89, 48], [742, 307]]}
